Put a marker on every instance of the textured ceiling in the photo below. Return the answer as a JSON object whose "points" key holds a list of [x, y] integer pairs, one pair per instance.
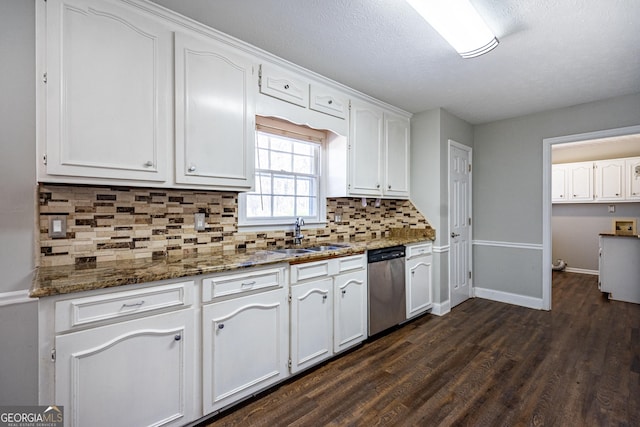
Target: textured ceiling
{"points": [[552, 53]]}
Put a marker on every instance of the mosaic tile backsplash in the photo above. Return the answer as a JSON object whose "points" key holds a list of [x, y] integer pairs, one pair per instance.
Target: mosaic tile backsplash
{"points": [[117, 223]]}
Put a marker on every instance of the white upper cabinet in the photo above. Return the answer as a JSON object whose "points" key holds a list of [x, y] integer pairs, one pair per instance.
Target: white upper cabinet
{"points": [[378, 152], [610, 180], [215, 116], [327, 101], [559, 183], [633, 178], [396, 171], [283, 85], [108, 92], [365, 141], [581, 182]]}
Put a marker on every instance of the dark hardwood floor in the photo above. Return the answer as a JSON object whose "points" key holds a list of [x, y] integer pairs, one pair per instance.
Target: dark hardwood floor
{"points": [[484, 364]]}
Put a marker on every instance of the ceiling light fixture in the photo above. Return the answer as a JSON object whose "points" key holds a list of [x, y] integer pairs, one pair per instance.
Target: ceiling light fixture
{"points": [[459, 23]]}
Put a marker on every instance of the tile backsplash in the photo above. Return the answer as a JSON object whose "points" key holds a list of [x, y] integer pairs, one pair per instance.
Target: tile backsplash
{"points": [[117, 223]]}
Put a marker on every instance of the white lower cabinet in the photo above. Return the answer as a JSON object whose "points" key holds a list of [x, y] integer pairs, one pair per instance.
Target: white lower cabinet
{"points": [[328, 309], [312, 323], [137, 372], [244, 345], [350, 309], [418, 271]]}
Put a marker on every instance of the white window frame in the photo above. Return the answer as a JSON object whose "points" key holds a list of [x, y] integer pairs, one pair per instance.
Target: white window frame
{"points": [[289, 130]]}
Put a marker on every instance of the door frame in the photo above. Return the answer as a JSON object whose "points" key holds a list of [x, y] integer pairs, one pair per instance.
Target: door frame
{"points": [[451, 143], [547, 238]]}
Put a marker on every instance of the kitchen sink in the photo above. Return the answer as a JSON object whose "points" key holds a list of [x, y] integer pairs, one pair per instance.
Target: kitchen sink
{"points": [[292, 251], [327, 248]]}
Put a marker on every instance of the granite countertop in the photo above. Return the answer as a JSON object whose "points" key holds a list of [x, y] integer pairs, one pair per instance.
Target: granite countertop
{"points": [[48, 281]]}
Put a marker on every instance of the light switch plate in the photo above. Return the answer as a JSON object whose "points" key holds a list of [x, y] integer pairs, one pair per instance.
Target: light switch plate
{"points": [[57, 227], [199, 222]]}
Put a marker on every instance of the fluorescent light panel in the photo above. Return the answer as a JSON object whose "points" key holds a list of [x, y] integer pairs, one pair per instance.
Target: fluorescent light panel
{"points": [[459, 23]]}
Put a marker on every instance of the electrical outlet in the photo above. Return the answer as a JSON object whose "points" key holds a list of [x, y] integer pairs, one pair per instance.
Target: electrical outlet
{"points": [[612, 208], [57, 227], [199, 222]]}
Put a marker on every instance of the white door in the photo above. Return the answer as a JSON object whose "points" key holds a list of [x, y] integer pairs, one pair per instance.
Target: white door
{"points": [[138, 372], [311, 323], [459, 222], [349, 310]]}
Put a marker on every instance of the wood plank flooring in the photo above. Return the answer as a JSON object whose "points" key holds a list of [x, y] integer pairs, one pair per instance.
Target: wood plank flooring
{"points": [[484, 364]]}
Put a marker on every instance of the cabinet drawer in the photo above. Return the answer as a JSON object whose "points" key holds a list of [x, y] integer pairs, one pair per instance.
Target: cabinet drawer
{"points": [[310, 270], [84, 311], [248, 280], [282, 85], [351, 263], [419, 250], [326, 101]]}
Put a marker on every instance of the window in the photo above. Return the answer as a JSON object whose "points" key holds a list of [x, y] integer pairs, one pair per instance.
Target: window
{"points": [[288, 178]]}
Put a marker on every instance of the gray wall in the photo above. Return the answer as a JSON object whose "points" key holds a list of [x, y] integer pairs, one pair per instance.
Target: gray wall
{"points": [[430, 133], [507, 187], [576, 228], [18, 322]]}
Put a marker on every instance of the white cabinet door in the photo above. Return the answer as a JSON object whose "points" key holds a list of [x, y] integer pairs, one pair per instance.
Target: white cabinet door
{"points": [[396, 158], [633, 178], [365, 145], [244, 346], [327, 101], [610, 176], [581, 182], [108, 92], [311, 323], [215, 114], [350, 310], [283, 85], [418, 283], [138, 372], [559, 178]]}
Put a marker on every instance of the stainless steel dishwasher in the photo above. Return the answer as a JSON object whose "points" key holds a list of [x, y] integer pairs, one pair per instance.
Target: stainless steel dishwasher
{"points": [[387, 293]]}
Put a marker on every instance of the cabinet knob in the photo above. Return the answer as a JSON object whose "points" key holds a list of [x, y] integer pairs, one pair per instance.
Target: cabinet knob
{"points": [[617, 194], [389, 186], [344, 291], [178, 337], [221, 326], [324, 297], [149, 164], [378, 186], [192, 168], [286, 87], [330, 102]]}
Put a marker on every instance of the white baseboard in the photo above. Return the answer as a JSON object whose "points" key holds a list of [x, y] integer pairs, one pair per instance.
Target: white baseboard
{"points": [[441, 309], [509, 298], [581, 271], [16, 297]]}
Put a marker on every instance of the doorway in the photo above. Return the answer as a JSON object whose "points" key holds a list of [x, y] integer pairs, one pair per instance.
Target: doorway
{"points": [[460, 254], [547, 237]]}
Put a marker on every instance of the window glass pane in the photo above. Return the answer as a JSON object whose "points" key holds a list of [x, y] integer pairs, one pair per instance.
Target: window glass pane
{"points": [[263, 140], [305, 186], [281, 144], [262, 160], [283, 185], [302, 148], [303, 164], [303, 206], [263, 183], [281, 161], [258, 206], [283, 206]]}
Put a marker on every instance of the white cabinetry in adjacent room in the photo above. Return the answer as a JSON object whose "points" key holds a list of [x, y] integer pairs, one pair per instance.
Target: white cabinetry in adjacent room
{"points": [[419, 270], [245, 335], [580, 182], [129, 370], [559, 183], [633, 178], [108, 93], [610, 180], [215, 118]]}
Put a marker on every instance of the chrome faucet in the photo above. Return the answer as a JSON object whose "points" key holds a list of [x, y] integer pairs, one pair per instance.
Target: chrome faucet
{"points": [[298, 236]]}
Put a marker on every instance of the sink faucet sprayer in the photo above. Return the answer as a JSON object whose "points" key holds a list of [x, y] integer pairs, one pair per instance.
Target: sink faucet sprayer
{"points": [[297, 238]]}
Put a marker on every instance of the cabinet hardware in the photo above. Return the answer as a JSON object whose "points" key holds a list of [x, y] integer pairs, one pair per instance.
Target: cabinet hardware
{"points": [[137, 304], [324, 297], [389, 186], [330, 102], [44, 78], [178, 337], [192, 168], [149, 164], [253, 282], [377, 185], [53, 355], [220, 325], [344, 291], [44, 159], [286, 87], [453, 235]]}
